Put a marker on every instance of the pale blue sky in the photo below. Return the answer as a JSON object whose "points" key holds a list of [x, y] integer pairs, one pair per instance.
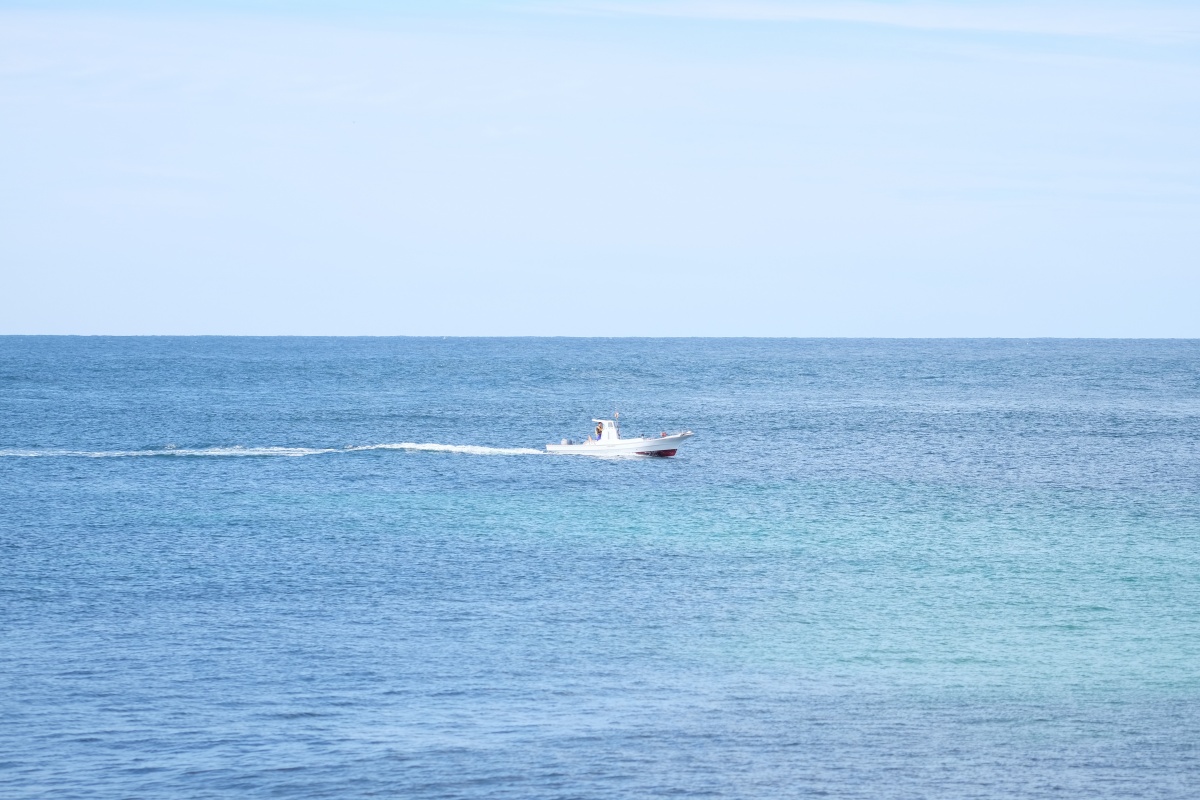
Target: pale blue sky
{"points": [[768, 167]]}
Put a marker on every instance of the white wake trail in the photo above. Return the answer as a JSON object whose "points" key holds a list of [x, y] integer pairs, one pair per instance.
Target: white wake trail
{"points": [[470, 449], [286, 452]]}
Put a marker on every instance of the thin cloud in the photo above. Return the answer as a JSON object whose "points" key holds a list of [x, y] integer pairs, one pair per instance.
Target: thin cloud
{"points": [[1109, 20]]}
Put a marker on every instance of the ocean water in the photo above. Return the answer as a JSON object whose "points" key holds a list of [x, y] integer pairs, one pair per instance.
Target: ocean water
{"points": [[338, 568]]}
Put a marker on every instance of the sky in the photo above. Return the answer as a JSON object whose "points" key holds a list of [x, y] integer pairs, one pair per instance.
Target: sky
{"points": [[607, 168]]}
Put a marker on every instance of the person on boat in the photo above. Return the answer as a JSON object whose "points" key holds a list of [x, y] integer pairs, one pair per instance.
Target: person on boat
{"points": [[599, 430]]}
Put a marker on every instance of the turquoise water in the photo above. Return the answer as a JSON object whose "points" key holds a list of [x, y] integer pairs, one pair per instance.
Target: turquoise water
{"points": [[881, 569]]}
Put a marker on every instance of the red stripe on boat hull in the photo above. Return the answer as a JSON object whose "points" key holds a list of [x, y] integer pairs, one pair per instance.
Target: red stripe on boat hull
{"points": [[659, 453]]}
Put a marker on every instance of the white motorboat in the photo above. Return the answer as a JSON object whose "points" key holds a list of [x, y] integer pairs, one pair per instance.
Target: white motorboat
{"points": [[608, 442]]}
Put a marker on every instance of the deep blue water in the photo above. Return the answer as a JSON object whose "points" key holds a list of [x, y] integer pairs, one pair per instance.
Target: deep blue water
{"points": [[882, 569]]}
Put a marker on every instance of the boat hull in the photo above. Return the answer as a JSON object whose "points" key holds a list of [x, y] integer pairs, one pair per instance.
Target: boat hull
{"points": [[661, 447]]}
